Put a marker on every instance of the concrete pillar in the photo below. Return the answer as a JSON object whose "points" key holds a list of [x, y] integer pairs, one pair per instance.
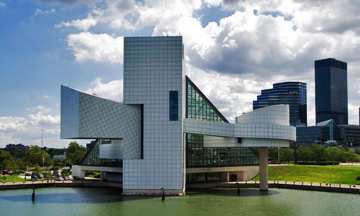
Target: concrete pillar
{"points": [[263, 168], [78, 172], [102, 176]]}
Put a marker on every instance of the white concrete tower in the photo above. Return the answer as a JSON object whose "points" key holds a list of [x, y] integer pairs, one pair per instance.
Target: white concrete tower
{"points": [[154, 78]]}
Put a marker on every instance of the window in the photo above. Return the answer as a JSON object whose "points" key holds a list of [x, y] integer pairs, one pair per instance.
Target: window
{"points": [[173, 106]]}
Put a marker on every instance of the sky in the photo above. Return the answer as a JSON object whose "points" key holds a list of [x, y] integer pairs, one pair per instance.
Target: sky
{"points": [[233, 49]]}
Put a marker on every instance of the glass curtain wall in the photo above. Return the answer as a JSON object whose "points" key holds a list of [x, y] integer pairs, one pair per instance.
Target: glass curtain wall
{"points": [[199, 107], [92, 156]]}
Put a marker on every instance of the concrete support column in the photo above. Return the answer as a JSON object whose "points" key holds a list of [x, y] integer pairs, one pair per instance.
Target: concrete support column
{"points": [[78, 172], [102, 176], [263, 168]]}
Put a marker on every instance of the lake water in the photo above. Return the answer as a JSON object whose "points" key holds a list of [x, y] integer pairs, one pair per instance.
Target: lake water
{"points": [[95, 201]]}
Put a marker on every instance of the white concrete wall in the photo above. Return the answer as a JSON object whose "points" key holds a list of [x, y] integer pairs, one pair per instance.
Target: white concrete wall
{"points": [[77, 171], [265, 127], [275, 114]]}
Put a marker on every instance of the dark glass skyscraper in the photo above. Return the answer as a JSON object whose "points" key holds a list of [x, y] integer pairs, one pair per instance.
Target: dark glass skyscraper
{"points": [[331, 90], [292, 93]]}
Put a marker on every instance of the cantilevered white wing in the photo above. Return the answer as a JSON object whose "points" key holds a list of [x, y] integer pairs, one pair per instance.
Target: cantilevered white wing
{"points": [[85, 116]]}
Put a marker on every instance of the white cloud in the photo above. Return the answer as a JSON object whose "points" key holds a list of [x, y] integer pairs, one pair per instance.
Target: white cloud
{"points": [[97, 47], [41, 12], [43, 116], [81, 24], [11, 123], [112, 90], [231, 94], [259, 43], [27, 129]]}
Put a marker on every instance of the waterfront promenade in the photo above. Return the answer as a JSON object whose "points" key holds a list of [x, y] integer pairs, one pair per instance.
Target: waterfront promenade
{"points": [[342, 188], [52, 183]]}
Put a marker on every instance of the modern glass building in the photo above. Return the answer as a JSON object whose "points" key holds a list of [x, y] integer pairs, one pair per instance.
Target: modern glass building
{"points": [[198, 106], [166, 133], [291, 93], [322, 133], [349, 135], [331, 96]]}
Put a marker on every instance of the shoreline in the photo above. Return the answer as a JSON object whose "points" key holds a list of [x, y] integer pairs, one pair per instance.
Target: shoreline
{"points": [[30, 185], [322, 187], [309, 186]]}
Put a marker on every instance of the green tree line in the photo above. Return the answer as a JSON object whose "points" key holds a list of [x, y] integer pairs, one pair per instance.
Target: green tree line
{"points": [[35, 156], [314, 153]]}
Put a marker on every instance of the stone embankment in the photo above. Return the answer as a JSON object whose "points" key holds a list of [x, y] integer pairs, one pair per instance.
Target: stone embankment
{"points": [[43, 184], [342, 188]]}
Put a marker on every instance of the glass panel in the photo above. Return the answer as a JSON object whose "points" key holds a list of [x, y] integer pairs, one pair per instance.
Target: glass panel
{"points": [[198, 106], [199, 156], [173, 106]]}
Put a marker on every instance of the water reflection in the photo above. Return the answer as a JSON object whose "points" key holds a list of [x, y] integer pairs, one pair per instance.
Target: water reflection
{"points": [[224, 202], [74, 196]]}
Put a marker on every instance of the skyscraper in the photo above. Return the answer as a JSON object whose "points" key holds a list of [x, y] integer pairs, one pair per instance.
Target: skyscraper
{"points": [[292, 93], [331, 90]]}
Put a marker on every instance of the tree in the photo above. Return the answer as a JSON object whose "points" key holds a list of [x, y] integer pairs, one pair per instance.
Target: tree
{"points": [[75, 153], [318, 152], [304, 153], [7, 161], [36, 156], [286, 155], [335, 154], [17, 150]]}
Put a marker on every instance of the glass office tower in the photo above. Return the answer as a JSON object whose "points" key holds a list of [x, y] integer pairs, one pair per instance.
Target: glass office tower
{"points": [[331, 90], [292, 93]]}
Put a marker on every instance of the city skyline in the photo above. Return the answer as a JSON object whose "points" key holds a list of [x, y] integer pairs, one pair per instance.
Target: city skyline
{"points": [[48, 44]]}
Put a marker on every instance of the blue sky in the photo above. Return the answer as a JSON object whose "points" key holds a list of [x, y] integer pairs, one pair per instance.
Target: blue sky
{"points": [[35, 59], [243, 45]]}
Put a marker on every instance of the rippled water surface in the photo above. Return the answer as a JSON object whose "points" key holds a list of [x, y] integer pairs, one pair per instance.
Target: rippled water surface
{"points": [[91, 201]]}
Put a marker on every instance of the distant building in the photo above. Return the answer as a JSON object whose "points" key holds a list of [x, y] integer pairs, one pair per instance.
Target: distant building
{"points": [[331, 90], [349, 135], [328, 133], [321, 133], [60, 157], [291, 93]]}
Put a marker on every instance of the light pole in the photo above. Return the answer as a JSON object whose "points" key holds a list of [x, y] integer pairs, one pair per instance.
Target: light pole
{"points": [[42, 145]]}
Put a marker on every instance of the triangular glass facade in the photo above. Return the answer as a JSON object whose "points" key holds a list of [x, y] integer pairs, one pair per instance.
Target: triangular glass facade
{"points": [[198, 106]]}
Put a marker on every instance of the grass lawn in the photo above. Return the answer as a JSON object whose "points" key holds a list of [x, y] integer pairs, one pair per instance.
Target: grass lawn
{"points": [[12, 178], [309, 173]]}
